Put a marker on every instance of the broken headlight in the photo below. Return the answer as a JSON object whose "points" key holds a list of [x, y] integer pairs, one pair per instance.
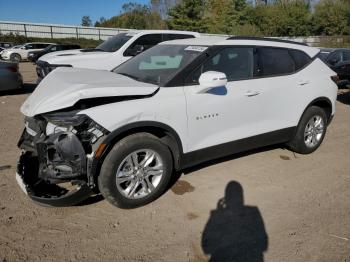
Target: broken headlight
{"points": [[84, 127], [65, 119]]}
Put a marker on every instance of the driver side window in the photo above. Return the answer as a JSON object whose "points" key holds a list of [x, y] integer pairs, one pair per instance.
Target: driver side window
{"points": [[143, 43], [236, 62], [29, 46]]}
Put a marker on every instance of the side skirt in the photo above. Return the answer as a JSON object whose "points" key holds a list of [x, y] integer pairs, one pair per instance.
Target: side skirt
{"points": [[238, 146]]}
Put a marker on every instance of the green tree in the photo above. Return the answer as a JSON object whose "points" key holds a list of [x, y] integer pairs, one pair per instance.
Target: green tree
{"points": [[282, 18], [332, 17], [101, 21], [135, 16], [86, 21], [188, 15], [224, 16]]}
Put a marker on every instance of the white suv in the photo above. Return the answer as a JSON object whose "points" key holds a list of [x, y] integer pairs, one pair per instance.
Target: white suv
{"points": [[110, 53], [20, 54], [173, 106]]}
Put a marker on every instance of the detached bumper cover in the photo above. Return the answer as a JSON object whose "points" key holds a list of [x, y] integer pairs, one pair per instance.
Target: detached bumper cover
{"points": [[45, 192]]}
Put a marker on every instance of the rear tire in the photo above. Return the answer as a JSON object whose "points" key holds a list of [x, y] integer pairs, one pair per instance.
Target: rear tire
{"points": [[310, 131], [136, 171], [15, 58]]}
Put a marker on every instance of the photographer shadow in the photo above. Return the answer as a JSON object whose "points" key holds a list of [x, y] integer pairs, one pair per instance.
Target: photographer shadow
{"points": [[234, 231]]}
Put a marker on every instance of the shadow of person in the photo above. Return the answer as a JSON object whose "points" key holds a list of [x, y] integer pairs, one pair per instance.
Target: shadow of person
{"points": [[235, 232]]}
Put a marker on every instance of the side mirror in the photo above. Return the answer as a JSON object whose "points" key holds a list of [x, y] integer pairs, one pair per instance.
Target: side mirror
{"points": [[139, 48], [135, 51], [210, 80]]}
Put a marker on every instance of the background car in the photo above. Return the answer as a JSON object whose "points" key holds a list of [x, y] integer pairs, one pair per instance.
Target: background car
{"points": [[6, 44], [19, 54], [324, 53], [10, 77], [33, 56], [339, 61], [110, 53]]}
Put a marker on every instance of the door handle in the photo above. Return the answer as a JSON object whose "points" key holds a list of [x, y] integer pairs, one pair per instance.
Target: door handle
{"points": [[252, 93], [303, 82]]}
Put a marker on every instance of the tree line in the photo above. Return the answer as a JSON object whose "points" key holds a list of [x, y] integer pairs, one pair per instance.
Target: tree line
{"points": [[236, 17]]}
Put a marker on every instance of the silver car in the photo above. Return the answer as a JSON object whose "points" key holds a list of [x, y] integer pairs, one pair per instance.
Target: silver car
{"points": [[10, 77]]}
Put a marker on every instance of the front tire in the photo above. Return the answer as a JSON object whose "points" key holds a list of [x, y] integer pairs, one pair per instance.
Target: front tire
{"points": [[136, 171], [15, 58], [310, 131]]}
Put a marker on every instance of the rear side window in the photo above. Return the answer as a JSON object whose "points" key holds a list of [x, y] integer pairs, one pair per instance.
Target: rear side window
{"points": [[55, 48], [334, 57], [346, 55], [168, 37], [300, 58], [29, 46], [274, 62], [40, 46]]}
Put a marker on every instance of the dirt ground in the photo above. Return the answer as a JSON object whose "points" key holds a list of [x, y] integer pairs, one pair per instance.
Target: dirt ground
{"points": [[267, 205]]}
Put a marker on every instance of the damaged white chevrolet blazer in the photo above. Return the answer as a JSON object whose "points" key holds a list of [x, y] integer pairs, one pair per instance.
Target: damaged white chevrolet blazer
{"points": [[175, 105]]}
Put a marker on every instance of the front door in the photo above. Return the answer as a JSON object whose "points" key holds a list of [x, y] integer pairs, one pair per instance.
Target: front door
{"points": [[226, 113]]}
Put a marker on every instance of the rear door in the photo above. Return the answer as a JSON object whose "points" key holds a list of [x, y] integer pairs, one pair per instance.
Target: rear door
{"points": [[284, 86]]}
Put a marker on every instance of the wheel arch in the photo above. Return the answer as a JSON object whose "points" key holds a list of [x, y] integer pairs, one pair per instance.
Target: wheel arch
{"points": [[14, 53], [165, 133], [324, 103]]}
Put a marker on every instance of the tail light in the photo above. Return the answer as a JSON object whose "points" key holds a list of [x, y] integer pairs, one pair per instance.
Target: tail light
{"points": [[335, 79], [13, 69]]}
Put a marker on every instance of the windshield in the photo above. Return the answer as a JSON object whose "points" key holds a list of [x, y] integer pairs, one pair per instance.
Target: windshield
{"points": [[159, 64], [114, 43], [323, 55], [50, 48]]}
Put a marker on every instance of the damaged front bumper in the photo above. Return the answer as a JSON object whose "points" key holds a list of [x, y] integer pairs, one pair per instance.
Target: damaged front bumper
{"points": [[55, 169]]}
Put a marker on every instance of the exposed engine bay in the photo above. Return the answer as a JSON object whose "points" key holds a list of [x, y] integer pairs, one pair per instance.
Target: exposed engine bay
{"points": [[57, 155]]}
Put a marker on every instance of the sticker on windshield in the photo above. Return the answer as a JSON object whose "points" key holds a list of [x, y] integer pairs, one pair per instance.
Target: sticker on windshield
{"points": [[196, 48]]}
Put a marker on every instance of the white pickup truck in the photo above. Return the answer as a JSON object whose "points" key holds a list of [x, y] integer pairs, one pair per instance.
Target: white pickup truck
{"points": [[110, 53]]}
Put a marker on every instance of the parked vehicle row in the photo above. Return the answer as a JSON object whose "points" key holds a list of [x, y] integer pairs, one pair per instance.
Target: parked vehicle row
{"points": [[5, 45], [32, 51], [20, 54], [125, 131], [33, 56]]}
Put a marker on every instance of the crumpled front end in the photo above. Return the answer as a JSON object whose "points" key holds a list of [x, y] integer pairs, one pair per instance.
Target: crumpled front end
{"points": [[57, 154]]}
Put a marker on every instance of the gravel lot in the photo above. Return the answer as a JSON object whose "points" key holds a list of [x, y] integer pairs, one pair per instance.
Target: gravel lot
{"points": [[270, 204]]}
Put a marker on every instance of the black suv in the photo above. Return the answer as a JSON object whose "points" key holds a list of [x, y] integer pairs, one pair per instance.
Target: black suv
{"points": [[339, 61], [33, 56]]}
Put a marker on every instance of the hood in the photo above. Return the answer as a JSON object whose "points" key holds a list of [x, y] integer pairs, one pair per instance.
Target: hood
{"points": [[69, 56], [64, 87]]}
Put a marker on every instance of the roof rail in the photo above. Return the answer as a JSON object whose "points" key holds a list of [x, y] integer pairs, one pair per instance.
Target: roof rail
{"points": [[265, 39]]}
